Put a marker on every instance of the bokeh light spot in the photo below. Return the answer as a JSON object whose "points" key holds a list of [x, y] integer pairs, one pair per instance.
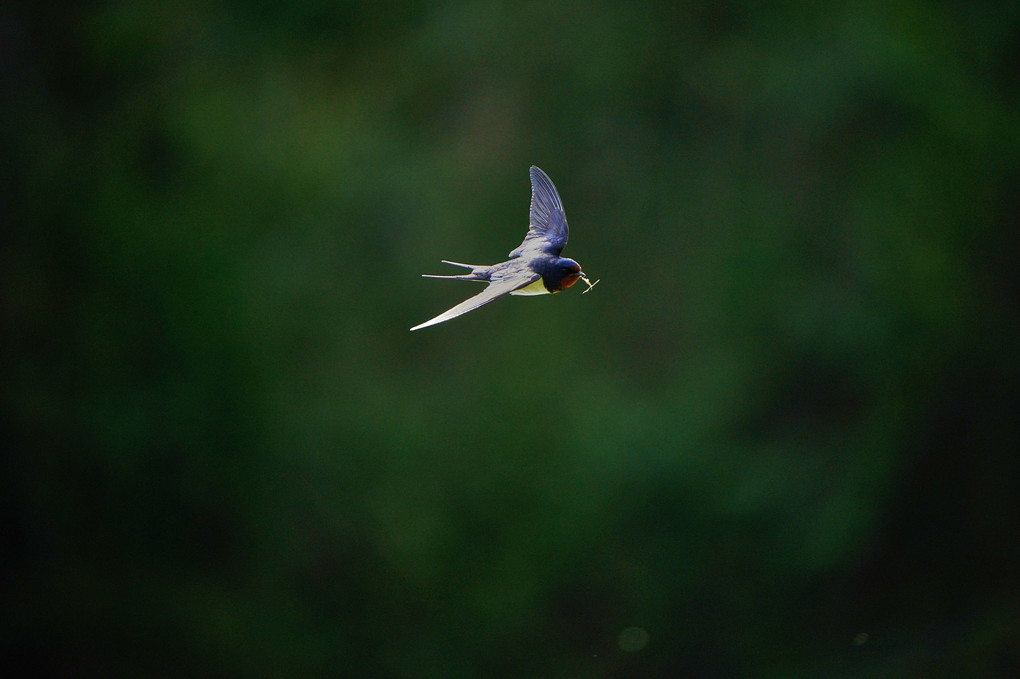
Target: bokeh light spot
{"points": [[633, 639]]}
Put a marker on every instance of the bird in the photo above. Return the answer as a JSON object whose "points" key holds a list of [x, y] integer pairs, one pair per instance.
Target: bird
{"points": [[534, 267]]}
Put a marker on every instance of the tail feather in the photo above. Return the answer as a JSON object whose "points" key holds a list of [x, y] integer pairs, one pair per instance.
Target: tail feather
{"points": [[465, 277], [466, 266], [478, 272]]}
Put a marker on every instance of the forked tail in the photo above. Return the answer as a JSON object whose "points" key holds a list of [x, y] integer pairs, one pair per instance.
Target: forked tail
{"points": [[479, 272]]}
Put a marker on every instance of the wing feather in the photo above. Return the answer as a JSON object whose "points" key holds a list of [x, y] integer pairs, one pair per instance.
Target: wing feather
{"points": [[495, 290], [548, 227]]}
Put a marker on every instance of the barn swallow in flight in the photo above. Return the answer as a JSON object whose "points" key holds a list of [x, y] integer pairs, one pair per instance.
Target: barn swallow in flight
{"points": [[535, 266]]}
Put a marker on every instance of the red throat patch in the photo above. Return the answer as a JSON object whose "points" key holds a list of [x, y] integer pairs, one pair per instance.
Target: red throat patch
{"points": [[569, 280]]}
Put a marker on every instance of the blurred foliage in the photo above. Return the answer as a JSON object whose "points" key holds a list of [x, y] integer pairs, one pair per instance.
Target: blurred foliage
{"points": [[779, 440]]}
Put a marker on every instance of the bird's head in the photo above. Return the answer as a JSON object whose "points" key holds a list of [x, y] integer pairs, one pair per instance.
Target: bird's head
{"points": [[561, 274]]}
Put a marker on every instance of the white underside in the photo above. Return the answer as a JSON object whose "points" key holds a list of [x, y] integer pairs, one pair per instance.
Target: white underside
{"points": [[536, 288]]}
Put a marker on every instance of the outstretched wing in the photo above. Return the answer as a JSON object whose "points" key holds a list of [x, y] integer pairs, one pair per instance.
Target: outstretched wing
{"points": [[495, 290], [548, 230]]}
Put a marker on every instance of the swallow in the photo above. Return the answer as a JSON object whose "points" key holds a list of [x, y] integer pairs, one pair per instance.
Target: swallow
{"points": [[535, 266]]}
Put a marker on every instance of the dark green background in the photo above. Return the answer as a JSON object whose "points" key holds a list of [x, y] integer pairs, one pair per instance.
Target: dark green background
{"points": [[780, 437]]}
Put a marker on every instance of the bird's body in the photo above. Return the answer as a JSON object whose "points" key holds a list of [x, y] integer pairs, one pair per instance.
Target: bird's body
{"points": [[535, 266]]}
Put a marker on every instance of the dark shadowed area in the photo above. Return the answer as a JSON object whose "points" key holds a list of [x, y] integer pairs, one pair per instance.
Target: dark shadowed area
{"points": [[780, 438]]}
